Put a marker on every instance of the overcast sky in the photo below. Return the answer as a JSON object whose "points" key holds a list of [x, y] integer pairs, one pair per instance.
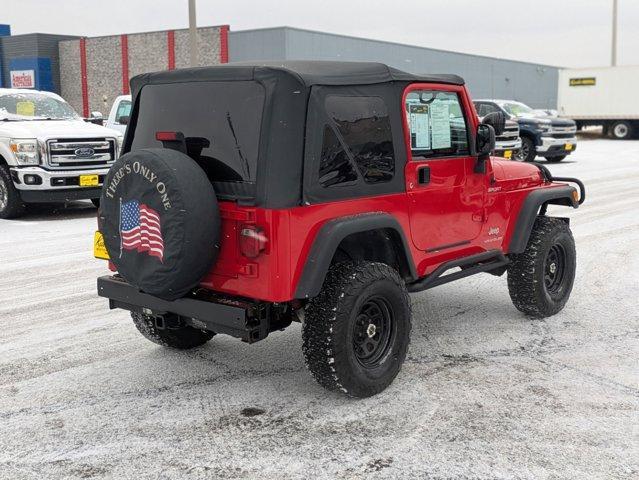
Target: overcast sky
{"points": [[555, 32]]}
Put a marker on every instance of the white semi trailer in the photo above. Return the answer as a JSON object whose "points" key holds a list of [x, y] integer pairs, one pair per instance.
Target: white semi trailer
{"points": [[605, 96]]}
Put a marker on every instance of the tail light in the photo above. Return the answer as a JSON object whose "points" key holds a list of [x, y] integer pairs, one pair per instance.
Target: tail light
{"points": [[252, 241]]}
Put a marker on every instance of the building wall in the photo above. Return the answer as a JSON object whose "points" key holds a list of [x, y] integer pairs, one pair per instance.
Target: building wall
{"points": [[113, 60], [34, 47], [488, 77]]}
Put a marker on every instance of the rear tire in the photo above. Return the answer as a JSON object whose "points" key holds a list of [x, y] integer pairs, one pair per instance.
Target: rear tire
{"points": [[356, 331], [621, 130], [556, 159], [182, 338], [541, 278], [527, 152], [11, 204]]}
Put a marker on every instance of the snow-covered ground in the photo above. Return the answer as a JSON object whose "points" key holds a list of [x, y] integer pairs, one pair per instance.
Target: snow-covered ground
{"points": [[485, 392]]}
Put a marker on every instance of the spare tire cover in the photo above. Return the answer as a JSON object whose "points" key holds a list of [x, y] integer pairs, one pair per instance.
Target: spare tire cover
{"points": [[160, 221]]}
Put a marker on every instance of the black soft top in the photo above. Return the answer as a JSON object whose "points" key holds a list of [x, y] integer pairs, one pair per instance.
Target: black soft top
{"points": [[307, 73], [293, 112]]}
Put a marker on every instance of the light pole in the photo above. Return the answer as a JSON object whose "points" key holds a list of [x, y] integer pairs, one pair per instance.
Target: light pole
{"points": [[192, 34], [614, 33]]}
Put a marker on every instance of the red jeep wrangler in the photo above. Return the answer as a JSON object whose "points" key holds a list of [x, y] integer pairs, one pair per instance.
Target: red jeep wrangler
{"points": [[251, 196]]}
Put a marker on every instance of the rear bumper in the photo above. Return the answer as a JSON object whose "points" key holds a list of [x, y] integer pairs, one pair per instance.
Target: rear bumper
{"points": [[244, 320]]}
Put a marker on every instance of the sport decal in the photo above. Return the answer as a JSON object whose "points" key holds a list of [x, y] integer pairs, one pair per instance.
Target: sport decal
{"points": [[140, 229]]}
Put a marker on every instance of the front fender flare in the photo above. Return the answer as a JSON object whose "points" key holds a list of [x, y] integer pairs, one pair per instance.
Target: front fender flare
{"points": [[331, 235], [532, 204]]}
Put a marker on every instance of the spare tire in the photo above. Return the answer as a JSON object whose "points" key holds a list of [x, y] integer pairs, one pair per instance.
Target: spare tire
{"points": [[160, 221]]}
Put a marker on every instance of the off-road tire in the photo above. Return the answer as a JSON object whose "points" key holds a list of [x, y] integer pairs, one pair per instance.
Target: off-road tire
{"points": [[556, 159], [335, 325], [527, 152], [181, 338], [11, 204], [529, 273]]}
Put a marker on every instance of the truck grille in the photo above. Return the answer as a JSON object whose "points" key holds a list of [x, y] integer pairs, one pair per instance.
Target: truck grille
{"points": [[69, 153], [563, 132], [509, 133]]}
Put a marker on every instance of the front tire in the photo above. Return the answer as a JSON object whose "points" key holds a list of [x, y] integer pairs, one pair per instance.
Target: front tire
{"points": [[356, 331], [182, 338], [527, 152], [11, 204], [541, 278], [556, 159]]}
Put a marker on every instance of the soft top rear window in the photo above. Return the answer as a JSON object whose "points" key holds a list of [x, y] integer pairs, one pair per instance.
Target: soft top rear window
{"points": [[220, 120]]}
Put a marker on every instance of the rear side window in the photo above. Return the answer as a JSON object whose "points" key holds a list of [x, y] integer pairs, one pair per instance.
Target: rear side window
{"points": [[436, 123], [220, 120], [357, 140]]}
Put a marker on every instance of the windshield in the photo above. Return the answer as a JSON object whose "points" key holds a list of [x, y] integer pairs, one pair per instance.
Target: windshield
{"points": [[34, 106], [517, 109]]}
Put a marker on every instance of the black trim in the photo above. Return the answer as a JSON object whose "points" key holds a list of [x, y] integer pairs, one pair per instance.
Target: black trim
{"points": [[331, 235], [59, 196], [481, 262], [447, 245], [536, 199]]}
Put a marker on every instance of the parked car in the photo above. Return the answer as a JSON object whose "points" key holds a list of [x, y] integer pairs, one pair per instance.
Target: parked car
{"points": [[120, 113], [508, 143], [48, 153], [541, 135], [603, 96], [320, 192]]}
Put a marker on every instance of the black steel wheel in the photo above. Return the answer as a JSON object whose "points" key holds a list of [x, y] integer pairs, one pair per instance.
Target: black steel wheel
{"points": [[541, 278], [373, 331], [356, 331]]}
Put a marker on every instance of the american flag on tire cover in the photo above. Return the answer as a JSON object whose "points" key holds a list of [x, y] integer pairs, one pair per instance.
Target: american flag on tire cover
{"points": [[140, 229]]}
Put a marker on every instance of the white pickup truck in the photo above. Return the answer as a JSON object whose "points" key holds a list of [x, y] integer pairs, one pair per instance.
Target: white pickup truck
{"points": [[48, 153], [119, 115]]}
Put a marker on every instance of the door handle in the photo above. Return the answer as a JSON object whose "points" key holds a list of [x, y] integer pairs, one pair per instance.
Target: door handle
{"points": [[423, 175]]}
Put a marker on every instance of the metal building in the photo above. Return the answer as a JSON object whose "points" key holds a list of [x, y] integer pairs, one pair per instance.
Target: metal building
{"points": [[91, 72], [30, 60], [486, 77]]}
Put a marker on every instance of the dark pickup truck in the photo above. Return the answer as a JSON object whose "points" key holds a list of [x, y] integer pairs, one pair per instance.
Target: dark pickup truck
{"points": [[541, 135]]}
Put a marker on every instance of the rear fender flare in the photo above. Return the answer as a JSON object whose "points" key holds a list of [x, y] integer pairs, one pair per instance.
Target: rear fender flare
{"points": [[534, 201], [331, 235]]}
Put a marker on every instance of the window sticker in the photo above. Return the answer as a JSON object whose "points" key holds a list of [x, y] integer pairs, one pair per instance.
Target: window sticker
{"points": [[25, 108], [440, 124], [419, 121]]}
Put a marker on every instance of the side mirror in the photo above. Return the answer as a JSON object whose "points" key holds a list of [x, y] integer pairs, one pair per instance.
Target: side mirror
{"points": [[96, 115], [124, 120], [484, 143], [497, 120]]}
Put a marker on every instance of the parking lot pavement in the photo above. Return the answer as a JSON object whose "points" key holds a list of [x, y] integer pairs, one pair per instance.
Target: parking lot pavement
{"points": [[485, 392]]}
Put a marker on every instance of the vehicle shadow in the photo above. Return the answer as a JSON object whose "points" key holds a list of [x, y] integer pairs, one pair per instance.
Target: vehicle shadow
{"points": [[56, 211]]}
